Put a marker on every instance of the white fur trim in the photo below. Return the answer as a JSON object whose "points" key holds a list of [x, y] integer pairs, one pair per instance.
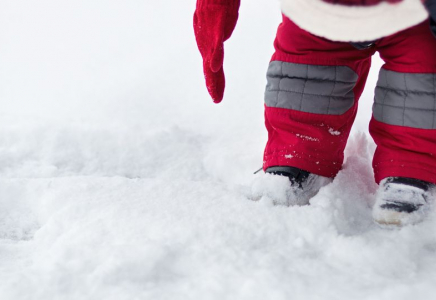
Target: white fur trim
{"points": [[354, 23]]}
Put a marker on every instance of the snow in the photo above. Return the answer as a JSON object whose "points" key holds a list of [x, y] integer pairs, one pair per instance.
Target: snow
{"points": [[119, 179], [334, 132], [307, 138]]}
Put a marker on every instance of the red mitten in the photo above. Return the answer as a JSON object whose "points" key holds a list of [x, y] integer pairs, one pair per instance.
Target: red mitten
{"points": [[214, 21]]}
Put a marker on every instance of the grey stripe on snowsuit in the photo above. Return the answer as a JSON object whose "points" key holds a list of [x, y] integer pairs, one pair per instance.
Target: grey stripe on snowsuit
{"points": [[310, 88], [403, 99]]}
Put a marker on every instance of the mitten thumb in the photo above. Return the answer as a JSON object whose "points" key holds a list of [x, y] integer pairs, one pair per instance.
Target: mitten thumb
{"points": [[215, 83], [217, 58]]}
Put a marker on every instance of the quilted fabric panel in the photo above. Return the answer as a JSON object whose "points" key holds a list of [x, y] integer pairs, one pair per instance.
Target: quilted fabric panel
{"points": [[310, 88], [406, 99]]}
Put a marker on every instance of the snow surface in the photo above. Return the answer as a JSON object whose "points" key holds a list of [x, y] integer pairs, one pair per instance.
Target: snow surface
{"points": [[119, 179]]}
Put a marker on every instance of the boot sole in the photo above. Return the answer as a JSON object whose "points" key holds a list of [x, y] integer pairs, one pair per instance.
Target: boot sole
{"points": [[398, 219]]}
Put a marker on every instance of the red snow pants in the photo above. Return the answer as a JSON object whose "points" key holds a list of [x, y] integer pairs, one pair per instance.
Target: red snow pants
{"points": [[312, 94]]}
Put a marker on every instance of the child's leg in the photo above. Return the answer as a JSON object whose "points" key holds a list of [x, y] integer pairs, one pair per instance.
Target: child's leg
{"points": [[404, 113], [311, 100]]}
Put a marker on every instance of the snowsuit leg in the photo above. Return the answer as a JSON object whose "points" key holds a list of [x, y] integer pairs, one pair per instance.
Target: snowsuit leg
{"points": [[311, 99], [404, 112]]}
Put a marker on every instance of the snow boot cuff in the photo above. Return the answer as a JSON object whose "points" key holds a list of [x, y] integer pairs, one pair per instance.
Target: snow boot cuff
{"points": [[295, 175], [424, 185]]}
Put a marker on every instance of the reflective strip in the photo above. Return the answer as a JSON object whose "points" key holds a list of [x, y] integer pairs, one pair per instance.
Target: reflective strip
{"points": [[315, 89], [406, 99]]}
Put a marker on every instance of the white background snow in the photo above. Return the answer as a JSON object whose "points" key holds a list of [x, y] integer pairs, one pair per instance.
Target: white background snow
{"points": [[119, 179]]}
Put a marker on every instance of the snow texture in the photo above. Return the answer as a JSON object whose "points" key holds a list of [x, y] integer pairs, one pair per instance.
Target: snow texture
{"points": [[119, 179]]}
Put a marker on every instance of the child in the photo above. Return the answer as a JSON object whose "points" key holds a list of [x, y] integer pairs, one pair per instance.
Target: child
{"points": [[322, 56]]}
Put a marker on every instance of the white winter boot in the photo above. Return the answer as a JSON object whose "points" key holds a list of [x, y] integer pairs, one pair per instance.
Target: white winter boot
{"points": [[302, 185], [402, 201]]}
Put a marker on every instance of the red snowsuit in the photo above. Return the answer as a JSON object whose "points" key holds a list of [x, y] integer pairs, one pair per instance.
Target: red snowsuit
{"points": [[314, 84]]}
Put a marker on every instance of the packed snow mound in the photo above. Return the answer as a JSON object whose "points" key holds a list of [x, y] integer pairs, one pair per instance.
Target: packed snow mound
{"points": [[90, 237]]}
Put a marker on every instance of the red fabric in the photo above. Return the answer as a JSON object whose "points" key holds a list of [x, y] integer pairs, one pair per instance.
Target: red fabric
{"points": [[405, 151], [305, 140], [360, 2], [410, 51], [214, 21], [316, 142]]}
